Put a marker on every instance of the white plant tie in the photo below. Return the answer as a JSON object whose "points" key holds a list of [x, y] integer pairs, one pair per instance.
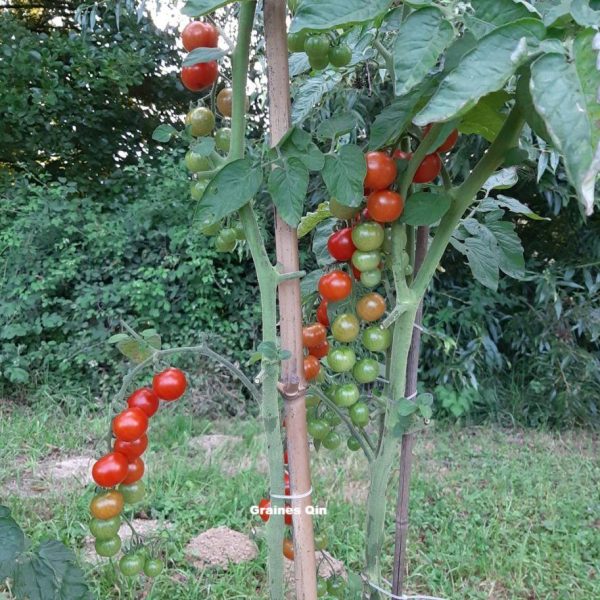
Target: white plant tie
{"points": [[412, 396], [403, 597], [417, 326], [292, 497]]}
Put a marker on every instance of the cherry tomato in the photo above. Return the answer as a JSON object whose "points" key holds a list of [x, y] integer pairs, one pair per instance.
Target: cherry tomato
{"points": [[385, 206], [340, 244], [296, 41], [286, 483], [317, 46], [448, 144], [353, 444], [366, 261], [322, 315], [320, 351], [381, 171], [332, 418], [197, 163], [103, 529], [336, 586], [332, 440], [356, 273], [134, 492], [346, 395], [318, 428], [199, 35], [312, 367], [288, 549], [359, 414], [321, 540], [131, 564], [153, 567], [401, 155], [371, 307], [287, 518], [368, 236], [200, 76], [314, 335], [169, 384], [225, 102], [321, 587], [339, 211], [208, 228], [312, 401], [429, 169], [285, 457], [135, 471], [340, 56], [109, 547], [335, 286], [226, 241], [110, 470], [366, 370], [345, 328], [341, 359], [318, 63], [132, 449], [371, 278], [145, 399], [201, 121], [130, 424], [107, 505], [263, 506], [223, 139], [376, 339]]}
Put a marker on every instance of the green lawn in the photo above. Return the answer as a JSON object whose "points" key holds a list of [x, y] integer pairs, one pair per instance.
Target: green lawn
{"points": [[494, 514]]}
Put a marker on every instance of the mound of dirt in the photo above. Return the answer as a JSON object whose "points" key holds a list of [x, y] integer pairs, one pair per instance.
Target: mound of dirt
{"points": [[219, 547]]}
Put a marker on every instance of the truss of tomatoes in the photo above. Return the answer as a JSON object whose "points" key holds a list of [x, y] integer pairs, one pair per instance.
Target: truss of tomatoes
{"points": [[353, 343], [202, 75], [119, 473]]}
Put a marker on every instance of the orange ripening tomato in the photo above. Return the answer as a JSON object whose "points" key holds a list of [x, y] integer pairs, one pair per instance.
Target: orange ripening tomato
{"points": [[320, 351], [288, 549], [381, 171], [312, 367], [385, 206], [314, 335], [107, 505]]}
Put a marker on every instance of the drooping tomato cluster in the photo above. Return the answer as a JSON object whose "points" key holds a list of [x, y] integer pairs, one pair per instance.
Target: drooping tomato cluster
{"points": [[120, 471], [202, 75]]}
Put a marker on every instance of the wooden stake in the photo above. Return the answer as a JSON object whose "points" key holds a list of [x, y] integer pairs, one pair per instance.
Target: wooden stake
{"points": [[292, 385]]}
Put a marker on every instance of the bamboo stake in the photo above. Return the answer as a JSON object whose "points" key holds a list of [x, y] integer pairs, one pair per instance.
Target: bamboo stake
{"points": [[293, 385]]}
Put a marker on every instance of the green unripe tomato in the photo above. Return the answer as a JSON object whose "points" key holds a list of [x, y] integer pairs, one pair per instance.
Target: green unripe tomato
{"points": [[366, 261], [339, 211], [321, 540], [153, 567], [197, 189], [197, 163], [368, 236], [340, 56], [296, 41], [376, 339], [345, 328], [312, 401], [332, 440], [318, 63], [331, 390], [104, 529], [223, 139], [371, 279], [321, 587], [366, 370], [359, 414], [353, 444], [336, 587], [317, 46], [226, 240], [331, 417], [312, 413], [318, 429], [201, 121], [347, 395], [131, 564], [109, 547], [341, 359], [240, 234], [134, 492], [208, 228]]}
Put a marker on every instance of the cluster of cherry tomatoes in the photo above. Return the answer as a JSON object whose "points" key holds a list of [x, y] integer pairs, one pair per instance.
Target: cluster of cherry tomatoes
{"points": [[320, 50], [200, 76], [120, 471]]}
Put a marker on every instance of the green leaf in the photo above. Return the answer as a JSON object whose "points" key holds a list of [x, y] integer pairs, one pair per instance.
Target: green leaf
{"points": [[425, 399], [134, 350], [202, 55], [118, 337], [426, 411], [309, 95], [12, 542], [421, 40], [234, 186], [394, 119], [69, 579], [297, 143], [564, 94], [288, 184], [203, 146], [516, 207], [163, 133], [511, 261], [487, 117], [319, 244], [197, 8], [34, 579], [344, 175], [425, 208], [501, 180], [490, 14], [482, 254], [485, 69], [312, 219], [583, 15], [336, 126], [525, 101], [152, 337], [406, 407], [329, 14], [270, 352]]}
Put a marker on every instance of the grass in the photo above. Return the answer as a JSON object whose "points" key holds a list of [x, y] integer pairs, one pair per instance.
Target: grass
{"points": [[494, 514]]}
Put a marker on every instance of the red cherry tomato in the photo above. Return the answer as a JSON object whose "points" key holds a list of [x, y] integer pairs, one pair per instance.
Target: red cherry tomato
{"points": [[314, 335], [263, 506], [429, 169], [335, 286], [132, 450], [356, 273], [385, 206], [135, 471], [110, 470], [199, 35], [287, 518], [320, 351], [450, 140], [145, 399], [312, 366], [322, 315], [400, 155], [340, 244], [130, 424], [381, 171], [200, 76], [169, 384], [286, 484], [285, 457]]}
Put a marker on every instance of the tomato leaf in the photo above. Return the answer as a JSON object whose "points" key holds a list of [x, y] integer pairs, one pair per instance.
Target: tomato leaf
{"points": [[485, 69], [511, 257], [501, 180], [288, 184], [319, 245], [344, 175], [134, 350], [516, 207], [328, 14], [13, 542], [421, 40], [310, 93], [163, 133], [234, 186], [203, 146], [202, 55], [489, 14], [118, 337], [197, 8], [312, 219], [425, 208], [337, 125], [486, 117], [297, 143], [406, 407]]}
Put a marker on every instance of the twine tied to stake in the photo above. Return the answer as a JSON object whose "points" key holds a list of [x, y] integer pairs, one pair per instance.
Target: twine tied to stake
{"points": [[292, 497], [403, 597]]}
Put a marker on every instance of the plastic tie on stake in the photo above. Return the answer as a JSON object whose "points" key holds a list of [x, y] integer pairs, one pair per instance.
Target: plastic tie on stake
{"points": [[292, 496], [403, 596]]}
